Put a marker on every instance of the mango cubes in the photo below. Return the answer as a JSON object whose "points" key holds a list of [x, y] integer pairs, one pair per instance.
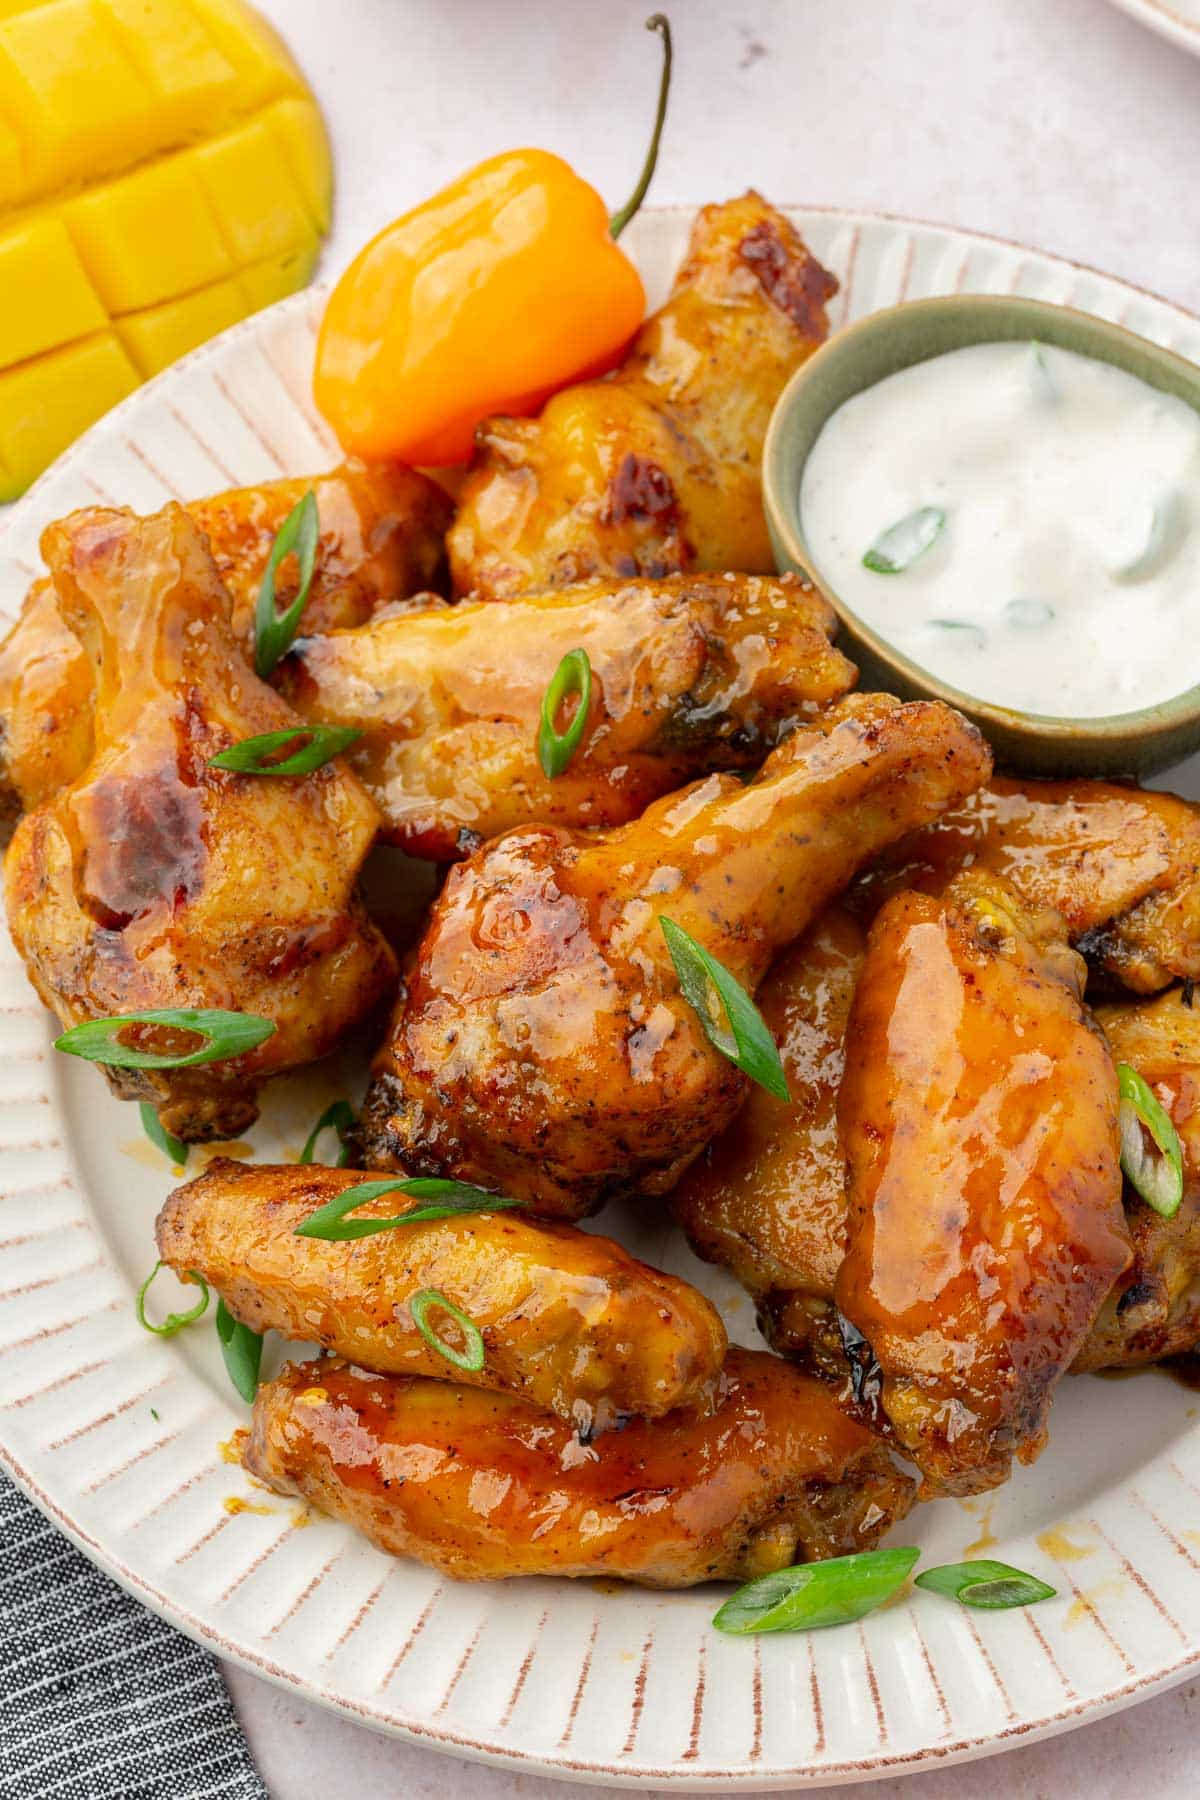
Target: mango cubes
{"points": [[164, 171]]}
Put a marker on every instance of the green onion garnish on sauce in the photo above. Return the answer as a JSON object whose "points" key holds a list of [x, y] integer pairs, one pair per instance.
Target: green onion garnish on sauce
{"points": [[174, 1321], [1157, 543], [971, 637], [992, 1586], [1151, 1154], [470, 1357], [315, 746], [903, 543], [274, 630], [573, 676], [815, 1595], [1041, 380], [711, 990], [447, 1199], [226, 1034], [1028, 615], [242, 1350], [339, 1118], [172, 1148]]}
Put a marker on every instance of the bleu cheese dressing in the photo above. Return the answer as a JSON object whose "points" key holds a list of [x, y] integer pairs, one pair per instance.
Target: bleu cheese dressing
{"points": [[1020, 520]]}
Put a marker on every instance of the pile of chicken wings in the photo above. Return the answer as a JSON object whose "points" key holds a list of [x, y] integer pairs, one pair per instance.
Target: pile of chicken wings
{"points": [[934, 1228]]}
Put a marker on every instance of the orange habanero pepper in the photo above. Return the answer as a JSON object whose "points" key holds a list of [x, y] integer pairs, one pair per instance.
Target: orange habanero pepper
{"points": [[485, 299]]}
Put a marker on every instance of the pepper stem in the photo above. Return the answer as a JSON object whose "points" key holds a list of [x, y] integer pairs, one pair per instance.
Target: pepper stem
{"points": [[660, 23]]}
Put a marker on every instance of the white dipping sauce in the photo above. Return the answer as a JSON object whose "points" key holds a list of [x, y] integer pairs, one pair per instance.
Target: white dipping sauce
{"points": [[1048, 507]]}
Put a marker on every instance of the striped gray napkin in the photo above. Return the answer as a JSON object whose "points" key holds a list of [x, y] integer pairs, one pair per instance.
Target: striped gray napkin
{"points": [[99, 1700]]}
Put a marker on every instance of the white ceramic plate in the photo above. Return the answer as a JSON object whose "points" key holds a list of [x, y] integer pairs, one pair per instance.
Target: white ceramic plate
{"points": [[1179, 21], [118, 1436]]}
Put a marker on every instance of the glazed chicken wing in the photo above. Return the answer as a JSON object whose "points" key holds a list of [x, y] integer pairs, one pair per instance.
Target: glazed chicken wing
{"points": [[543, 1046], [655, 468], [482, 1485], [1121, 864], [1154, 1309], [688, 674], [767, 1200], [46, 698], [382, 531], [979, 1116], [155, 880], [571, 1322]]}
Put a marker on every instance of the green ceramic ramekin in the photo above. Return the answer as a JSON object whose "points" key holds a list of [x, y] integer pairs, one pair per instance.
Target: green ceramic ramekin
{"points": [[1129, 743]]}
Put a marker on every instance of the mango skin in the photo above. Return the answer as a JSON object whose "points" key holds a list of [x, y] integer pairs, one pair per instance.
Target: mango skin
{"points": [[164, 171]]}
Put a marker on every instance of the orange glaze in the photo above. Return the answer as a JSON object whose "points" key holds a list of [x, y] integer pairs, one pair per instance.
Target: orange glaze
{"points": [[570, 1320], [46, 696], [482, 1485], [382, 531], [690, 673], [381, 539], [979, 1117], [1121, 865], [767, 1199], [543, 1046], [155, 880], [1154, 1310], [656, 467]]}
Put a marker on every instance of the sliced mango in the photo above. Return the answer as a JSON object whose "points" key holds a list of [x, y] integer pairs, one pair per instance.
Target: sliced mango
{"points": [[149, 235], [164, 171], [48, 296], [50, 400], [162, 334]]}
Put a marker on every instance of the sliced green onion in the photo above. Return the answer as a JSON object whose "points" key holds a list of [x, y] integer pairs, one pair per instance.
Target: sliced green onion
{"points": [[242, 1350], [174, 1321], [160, 1137], [470, 1359], [1044, 389], [556, 748], [815, 1595], [903, 543], [318, 744], [619, 220], [1156, 1173], [992, 1586], [449, 1198], [968, 634], [228, 1034], [1158, 542], [274, 631], [340, 1118], [746, 1042], [1028, 615]]}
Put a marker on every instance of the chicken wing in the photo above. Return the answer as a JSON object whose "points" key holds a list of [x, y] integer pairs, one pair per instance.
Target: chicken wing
{"points": [[482, 1485], [979, 1116], [1154, 1309], [654, 469], [155, 880], [543, 1046], [570, 1321], [46, 699], [767, 1200], [382, 531], [691, 673], [1121, 864]]}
